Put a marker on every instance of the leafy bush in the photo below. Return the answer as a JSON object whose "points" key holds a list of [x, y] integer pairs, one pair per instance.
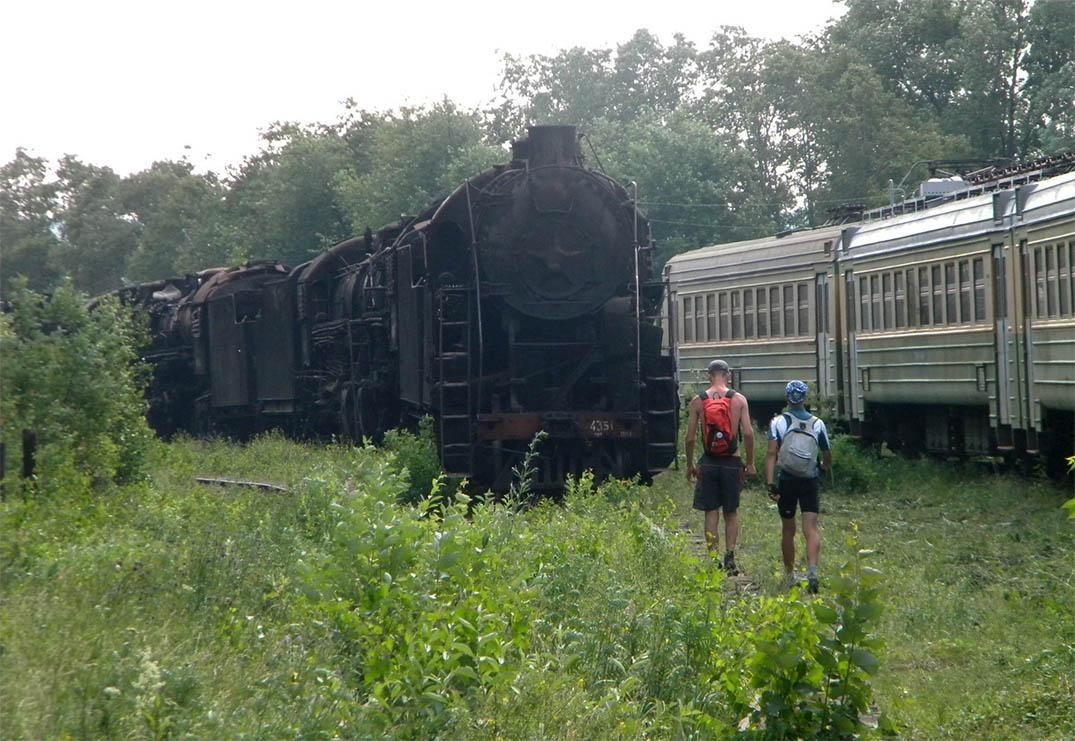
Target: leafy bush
{"points": [[415, 454], [73, 377], [854, 471]]}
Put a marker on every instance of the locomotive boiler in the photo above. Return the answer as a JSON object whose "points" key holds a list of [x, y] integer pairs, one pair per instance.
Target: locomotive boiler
{"points": [[524, 301]]}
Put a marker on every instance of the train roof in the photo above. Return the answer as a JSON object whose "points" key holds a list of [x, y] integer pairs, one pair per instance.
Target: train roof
{"points": [[963, 218], [800, 247]]}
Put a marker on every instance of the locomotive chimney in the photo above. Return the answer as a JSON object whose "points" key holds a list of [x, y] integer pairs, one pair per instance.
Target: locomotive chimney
{"points": [[553, 145]]}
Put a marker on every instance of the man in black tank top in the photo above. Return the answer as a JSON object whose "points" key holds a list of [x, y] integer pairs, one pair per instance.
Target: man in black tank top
{"points": [[719, 479]]}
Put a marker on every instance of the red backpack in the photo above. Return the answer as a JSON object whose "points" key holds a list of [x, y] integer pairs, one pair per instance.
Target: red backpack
{"points": [[719, 438]]}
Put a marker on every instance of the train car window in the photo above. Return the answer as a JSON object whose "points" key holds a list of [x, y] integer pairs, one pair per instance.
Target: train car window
{"points": [[1039, 280], [875, 303], [804, 309], [821, 304], [763, 313], [824, 312], [923, 297], [937, 286], [911, 294], [711, 317], [1050, 278], [789, 311], [748, 314], [688, 320], [247, 306], [725, 323], [699, 320], [1000, 283], [774, 312], [1063, 273], [964, 292], [979, 290], [864, 304], [737, 315], [1071, 274], [849, 303], [950, 292], [901, 300], [886, 285]]}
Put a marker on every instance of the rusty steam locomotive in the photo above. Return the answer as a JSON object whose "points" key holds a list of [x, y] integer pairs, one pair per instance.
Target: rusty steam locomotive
{"points": [[523, 301]]}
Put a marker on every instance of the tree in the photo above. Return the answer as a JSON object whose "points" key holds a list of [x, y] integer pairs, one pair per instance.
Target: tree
{"points": [[990, 106], [415, 156], [640, 78], [909, 44], [74, 378], [178, 217], [281, 204], [28, 236], [1049, 127], [695, 186], [97, 237]]}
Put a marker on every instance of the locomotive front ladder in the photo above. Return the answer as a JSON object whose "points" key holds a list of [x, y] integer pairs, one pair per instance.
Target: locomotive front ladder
{"points": [[454, 380], [657, 391]]}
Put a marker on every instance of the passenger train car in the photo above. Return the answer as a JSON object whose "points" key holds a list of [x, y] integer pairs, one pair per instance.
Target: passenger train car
{"points": [[948, 329]]}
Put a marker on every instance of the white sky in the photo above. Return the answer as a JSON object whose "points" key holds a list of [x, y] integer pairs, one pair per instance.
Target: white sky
{"points": [[122, 82]]}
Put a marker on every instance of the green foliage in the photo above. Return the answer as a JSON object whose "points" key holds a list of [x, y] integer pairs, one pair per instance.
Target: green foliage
{"points": [[281, 203], [178, 215], [332, 610], [811, 661], [74, 378], [27, 203], [415, 156], [416, 456], [854, 471]]}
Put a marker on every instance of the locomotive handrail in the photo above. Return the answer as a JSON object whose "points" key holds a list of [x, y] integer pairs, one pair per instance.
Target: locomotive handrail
{"points": [[477, 295]]}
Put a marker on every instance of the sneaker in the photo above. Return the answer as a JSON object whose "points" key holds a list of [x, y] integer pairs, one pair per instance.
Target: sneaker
{"points": [[729, 564], [792, 579], [813, 584]]}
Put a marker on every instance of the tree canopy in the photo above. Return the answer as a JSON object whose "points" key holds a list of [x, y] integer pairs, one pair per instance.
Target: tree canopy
{"points": [[729, 140]]}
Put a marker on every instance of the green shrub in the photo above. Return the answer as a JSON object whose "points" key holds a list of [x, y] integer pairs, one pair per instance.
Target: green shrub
{"points": [[854, 470], [415, 454], [73, 377]]}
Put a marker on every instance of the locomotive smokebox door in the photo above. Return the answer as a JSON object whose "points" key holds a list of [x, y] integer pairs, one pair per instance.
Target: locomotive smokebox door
{"points": [[556, 249]]}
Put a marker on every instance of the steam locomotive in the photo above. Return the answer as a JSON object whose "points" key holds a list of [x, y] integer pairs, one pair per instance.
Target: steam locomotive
{"points": [[524, 301]]}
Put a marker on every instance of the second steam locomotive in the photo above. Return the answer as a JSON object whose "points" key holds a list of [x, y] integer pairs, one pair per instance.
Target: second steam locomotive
{"points": [[524, 301]]}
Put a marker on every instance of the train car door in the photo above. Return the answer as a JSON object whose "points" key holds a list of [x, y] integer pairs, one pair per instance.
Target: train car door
{"points": [[1029, 420], [1006, 396], [410, 287], [826, 352], [229, 347], [852, 390]]}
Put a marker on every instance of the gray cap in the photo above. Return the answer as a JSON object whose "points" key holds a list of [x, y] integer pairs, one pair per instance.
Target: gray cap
{"points": [[719, 366]]}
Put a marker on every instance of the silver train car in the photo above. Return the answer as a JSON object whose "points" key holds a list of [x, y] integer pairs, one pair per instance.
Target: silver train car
{"points": [[949, 329]]}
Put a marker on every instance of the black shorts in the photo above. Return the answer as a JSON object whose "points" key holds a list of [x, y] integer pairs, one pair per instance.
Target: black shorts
{"points": [[803, 492], [718, 485]]}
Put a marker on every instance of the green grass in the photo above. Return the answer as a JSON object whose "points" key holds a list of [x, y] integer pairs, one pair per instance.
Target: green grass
{"points": [[170, 609], [979, 589]]}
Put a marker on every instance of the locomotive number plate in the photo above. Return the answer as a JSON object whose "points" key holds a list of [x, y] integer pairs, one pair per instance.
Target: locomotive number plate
{"points": [[601, 427], [604, 427]]}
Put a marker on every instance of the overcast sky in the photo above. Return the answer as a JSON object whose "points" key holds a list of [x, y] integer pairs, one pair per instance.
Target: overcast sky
{"points": [[123, 83]]}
